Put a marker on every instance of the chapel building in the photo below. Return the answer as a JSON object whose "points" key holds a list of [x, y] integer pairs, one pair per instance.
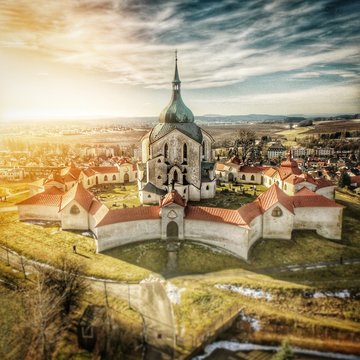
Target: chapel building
{"points": [[176, 154]]}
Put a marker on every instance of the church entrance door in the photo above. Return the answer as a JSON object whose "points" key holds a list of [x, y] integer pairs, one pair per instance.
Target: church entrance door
{"points": [[126, 178], [172, 230], [231, 177]]}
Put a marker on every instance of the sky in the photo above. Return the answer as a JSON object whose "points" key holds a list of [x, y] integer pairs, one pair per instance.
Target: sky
{"points": [[113, 58]]}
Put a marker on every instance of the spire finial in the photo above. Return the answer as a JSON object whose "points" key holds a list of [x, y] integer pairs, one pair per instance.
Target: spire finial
{"points": [[176, 75]]}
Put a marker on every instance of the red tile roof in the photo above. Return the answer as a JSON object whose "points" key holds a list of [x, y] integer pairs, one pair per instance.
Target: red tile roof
{"points": [[250, 211], [95, 206], [53, 191], [251, 169], [297, 179], [313, 201], [235, 160], [220, 167], [105, 169], [78, 193], [305, 192], [270, 171], [321, 183], [215, 214], [89, 172], [130, 214], [274, 195], [44, 198], [173, 197]]}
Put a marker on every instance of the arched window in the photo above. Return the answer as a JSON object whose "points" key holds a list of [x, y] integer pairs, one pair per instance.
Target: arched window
{"points": [[207, 187], [203, 148], [175, 177], [105, 178], [252, 178], [88, 181], [74, 210], [166, 150], [114, 177], [243, 177], [159, 160], [184, 191], [277, 212], [285, 187], [184, 152]]}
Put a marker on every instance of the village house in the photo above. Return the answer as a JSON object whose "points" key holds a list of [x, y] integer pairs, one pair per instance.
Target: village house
{"points": [[276, 151]]}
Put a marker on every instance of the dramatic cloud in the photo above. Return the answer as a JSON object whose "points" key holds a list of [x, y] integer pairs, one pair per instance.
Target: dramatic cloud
{"points": [[220, 43]]}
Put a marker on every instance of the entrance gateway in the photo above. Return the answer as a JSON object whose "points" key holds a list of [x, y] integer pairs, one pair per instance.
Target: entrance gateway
{"points": [[172, 230]]}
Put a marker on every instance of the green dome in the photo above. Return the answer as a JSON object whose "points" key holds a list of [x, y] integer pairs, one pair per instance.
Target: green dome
{"points": [[176, 111]]}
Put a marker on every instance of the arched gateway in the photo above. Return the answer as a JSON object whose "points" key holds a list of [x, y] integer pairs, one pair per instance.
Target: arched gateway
{"points": [[172, 230]]}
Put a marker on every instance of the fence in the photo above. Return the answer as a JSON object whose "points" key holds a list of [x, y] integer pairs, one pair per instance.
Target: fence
{"points": [[149, 329]]}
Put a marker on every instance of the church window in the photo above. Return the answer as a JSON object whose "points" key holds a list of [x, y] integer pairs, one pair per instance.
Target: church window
{"points": [[176, 178], [277, 212], [207, 187], [88, 181], [243, 177], [184, 191], [74, 210], [166, 150], [285, 187], [159, 177], [105, 178], [252, 178], [114, 177], [203, 148], [159, 160], [149, 196], [185, 152]]}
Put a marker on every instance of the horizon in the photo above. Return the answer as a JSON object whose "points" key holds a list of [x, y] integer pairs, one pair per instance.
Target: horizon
{"points": [[115, 59]]}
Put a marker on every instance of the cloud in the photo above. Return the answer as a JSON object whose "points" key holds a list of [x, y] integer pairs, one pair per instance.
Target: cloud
{"points": [[220, 43]]}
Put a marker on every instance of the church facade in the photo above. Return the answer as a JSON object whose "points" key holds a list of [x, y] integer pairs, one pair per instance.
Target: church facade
{"points": [[176, 154]]}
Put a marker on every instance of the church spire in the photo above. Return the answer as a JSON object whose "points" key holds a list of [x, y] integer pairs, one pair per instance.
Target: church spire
{"points": [[176, 81], [176, 111]]}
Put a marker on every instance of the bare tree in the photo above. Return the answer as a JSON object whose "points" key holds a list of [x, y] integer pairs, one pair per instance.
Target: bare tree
{"points": [[48, 305], [66, 281], [245, 141]]}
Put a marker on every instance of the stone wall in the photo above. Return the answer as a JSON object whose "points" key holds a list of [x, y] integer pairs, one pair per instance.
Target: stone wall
{"points": [[39, 212], [73, 221], [277, 227], [326, 221], [113, 235], [225, 236]]}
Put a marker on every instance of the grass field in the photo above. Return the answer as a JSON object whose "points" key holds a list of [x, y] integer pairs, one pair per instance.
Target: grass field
{"points": [[11, 190], [47, 243], [292, 135], [119, 196], [231, 196]]}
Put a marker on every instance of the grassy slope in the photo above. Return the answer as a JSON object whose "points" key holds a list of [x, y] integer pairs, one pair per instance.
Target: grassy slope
{"points": [[47, 243]]}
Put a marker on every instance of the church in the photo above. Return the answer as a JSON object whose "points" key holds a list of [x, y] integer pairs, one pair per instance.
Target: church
{"points": [[176, 154], [177, 166]]}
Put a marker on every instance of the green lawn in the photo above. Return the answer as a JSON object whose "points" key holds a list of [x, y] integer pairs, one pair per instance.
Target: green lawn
{"points": [[48, 243], [118, 196], [230, 196]]}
